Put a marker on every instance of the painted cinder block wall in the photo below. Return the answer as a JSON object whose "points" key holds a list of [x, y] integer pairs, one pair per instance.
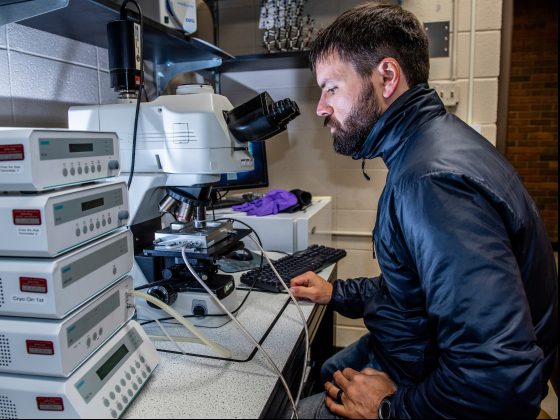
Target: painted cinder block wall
{"points": [[303, 157], [42, 75]]}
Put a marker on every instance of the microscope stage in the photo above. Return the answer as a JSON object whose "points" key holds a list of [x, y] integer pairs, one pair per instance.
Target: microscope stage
{"points": [[178, 235], [231, 243]]}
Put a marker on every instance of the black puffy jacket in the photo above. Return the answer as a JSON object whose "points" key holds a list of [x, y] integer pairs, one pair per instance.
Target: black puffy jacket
{"points": [[464, 317]]}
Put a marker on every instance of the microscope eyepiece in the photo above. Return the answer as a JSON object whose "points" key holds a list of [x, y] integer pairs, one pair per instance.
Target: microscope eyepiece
{"points": [[261, 118]]}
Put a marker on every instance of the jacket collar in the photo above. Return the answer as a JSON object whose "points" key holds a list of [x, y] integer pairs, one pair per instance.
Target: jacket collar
{"points": [[402, 119]]}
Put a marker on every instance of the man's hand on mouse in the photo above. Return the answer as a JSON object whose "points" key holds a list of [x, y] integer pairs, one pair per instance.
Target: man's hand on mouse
{"points": [[311, 286], [362, 393]]}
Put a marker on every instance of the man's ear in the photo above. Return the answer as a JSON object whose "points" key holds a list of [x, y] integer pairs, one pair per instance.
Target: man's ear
{"points": [[391, 77]]}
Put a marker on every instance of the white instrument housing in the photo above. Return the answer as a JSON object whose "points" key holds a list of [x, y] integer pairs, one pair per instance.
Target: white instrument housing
{"points": [[102, 388], [42, 159], [183, 134], [49, 224], [53, 288], [57, 347]]}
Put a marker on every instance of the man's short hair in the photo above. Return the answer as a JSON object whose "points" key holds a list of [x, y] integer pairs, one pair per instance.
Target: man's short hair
{"points": [[367, 34]]}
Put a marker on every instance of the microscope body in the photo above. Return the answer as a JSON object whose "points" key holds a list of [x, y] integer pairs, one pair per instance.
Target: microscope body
{"points": [[184, 143]]}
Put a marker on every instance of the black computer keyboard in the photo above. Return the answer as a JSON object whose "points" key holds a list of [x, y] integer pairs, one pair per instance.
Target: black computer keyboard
{"points": [[314, 258]]}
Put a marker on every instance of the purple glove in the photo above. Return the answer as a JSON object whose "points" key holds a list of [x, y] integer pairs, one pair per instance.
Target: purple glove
{"points": [[272, 203]]}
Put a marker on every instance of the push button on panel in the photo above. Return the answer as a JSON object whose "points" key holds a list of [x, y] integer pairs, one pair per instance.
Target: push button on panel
{"points": [[84, 229], [97, 225], [137, 365], [98, 168], [125, 400], [130, 393], [128, 376], [139, 380], [123, 382], [106, 402], [144, 375], [142, 360], [72, 171], [120, 406], [86, 169], [149, 369], [95, 338], [91, 227], [103, 222], [133, 370], [79, 170], [88, 342], [65, 172], [112, 395], [92, 169], [135, 387], [78, 232], [114, 414], [118, 389], [109, 220]]}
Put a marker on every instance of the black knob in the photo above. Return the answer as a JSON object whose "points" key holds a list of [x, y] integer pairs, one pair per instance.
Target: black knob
{"points": [[199, 311], [167, 294]]}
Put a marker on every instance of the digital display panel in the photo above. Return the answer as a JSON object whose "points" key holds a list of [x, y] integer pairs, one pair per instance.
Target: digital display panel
{"points": [[80, 147], [89, 205], [113, 361]]}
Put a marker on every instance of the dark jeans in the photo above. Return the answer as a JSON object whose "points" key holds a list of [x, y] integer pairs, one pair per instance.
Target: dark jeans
{"points": [[357, 356]]}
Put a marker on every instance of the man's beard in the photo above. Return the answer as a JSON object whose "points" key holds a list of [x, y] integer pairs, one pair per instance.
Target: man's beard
{"points": [[348, 140]]}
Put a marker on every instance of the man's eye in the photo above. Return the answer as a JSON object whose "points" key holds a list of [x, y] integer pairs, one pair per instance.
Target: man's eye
{"points": [[331, 90]]}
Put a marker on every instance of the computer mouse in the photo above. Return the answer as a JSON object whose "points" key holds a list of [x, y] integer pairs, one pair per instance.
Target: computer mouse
{"points": [[242, 255]]}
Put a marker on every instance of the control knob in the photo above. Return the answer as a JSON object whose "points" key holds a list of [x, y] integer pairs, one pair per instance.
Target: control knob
{"points": [[114, 165], [123, 214], [167, 294]]}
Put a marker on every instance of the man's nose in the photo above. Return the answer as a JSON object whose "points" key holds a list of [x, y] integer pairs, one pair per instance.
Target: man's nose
{"points": [[324, 109]]}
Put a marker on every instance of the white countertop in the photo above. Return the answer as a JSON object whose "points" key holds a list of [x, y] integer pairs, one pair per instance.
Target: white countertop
{"points": [[195, 387]]}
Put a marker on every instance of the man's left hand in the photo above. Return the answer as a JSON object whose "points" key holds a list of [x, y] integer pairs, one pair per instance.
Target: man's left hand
{"points": [[362, 393]]}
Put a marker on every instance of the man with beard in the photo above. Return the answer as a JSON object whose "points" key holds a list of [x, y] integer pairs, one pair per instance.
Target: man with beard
{"points": [[463, 320]]}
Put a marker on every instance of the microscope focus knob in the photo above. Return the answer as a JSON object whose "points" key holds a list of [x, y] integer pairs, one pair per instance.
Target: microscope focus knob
{"points": [[167, 294], [114, 165], [199, 311], [123, 214]]}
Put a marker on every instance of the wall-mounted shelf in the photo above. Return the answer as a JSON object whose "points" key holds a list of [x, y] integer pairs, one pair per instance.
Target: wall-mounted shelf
{"points": [[86, 21], [267, 61]]}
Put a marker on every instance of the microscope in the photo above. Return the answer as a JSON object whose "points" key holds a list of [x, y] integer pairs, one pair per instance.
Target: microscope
{"points": [[174, 149], [185, 142]]}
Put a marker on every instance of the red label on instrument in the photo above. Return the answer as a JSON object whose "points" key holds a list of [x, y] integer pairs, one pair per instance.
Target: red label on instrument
{"points": [[11, 152], [45, 348], [137, 79], [50, 404], [31, 285], [27, 217]]}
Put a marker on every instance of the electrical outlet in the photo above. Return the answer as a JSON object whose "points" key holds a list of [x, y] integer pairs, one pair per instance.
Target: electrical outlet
{"points": [[448, 93]]}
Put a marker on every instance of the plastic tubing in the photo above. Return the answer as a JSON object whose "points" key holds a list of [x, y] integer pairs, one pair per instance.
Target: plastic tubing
{"points": [[302, 318], [174, 338], [243, 330], [214, 346], [163, 329]]}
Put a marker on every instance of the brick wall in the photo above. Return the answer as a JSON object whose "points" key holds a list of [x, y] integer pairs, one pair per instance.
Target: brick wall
{"points": [[533, 110]]}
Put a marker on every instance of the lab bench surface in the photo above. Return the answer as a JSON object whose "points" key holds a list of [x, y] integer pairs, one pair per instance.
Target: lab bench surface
{"points": [[207, 387]]}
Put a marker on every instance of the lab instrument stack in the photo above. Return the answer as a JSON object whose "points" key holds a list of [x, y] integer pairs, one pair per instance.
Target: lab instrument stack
{"points": [[68, 346]]}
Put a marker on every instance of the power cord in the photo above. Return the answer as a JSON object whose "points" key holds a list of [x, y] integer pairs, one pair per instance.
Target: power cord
{"points": [[139, 99]]}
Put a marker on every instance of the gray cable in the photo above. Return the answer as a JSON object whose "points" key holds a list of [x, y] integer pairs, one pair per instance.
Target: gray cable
{"points": [[242, 328], [302, 318]]}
